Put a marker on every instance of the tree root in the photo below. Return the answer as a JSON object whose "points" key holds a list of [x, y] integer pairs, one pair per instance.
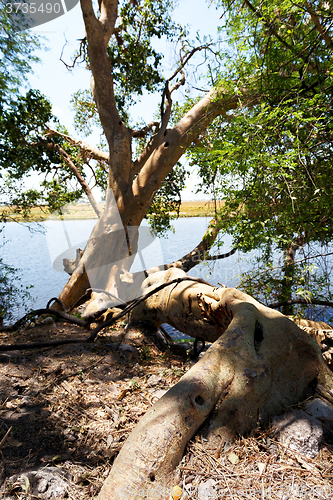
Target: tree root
{"points": [[80, 322], [260, 364]]}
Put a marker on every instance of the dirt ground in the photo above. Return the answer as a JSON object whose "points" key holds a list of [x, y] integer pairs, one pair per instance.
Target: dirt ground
{"points": [[76, 404], [70, 409]]}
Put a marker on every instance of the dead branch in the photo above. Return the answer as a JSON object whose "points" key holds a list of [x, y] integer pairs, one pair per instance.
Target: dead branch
{"points": [[81, 53], [40, 312], [80, 322]]}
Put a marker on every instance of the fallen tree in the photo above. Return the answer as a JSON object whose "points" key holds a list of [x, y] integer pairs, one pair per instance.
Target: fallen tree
{"points": [[260, 363]]}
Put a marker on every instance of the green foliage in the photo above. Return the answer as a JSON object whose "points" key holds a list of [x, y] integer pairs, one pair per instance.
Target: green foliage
{"points": [[145, 353], [86, 115], [311, 280], [136, 64], [16, 56], [166, 203], [271, 166], [12, 293], [270, 161], [25, 150]]}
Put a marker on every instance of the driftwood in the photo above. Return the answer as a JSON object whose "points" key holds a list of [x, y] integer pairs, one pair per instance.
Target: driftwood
{"points": [[259, 364]]}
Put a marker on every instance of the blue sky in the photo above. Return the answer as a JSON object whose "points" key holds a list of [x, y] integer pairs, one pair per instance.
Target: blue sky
{"points": [[61, 39]]}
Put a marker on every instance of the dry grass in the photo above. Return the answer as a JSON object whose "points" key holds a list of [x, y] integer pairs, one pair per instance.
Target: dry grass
{"points": [[74, 406], [255, 468], [81, 211]]}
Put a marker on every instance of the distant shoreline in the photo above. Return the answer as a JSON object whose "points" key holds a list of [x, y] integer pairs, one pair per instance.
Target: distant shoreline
{"points": [[84, 211]]}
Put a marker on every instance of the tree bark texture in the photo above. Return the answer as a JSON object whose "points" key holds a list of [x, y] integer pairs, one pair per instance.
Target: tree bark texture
{"points": [[132, 184], [259, 364]]}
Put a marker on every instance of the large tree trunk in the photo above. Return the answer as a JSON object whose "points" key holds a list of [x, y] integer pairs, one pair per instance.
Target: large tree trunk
{"points": [[259, 364], [131, 184]]}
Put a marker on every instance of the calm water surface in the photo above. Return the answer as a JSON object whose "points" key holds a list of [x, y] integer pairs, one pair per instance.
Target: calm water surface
{"points": [[37, 249]]}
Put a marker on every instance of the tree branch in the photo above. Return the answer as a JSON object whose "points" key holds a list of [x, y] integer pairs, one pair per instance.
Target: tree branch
{"points": [[69, 162], [80, 322], [175, 142], [165, 113], [324, 33], [200, 252], [221, 255], [87, 149], [184, 60], [145, 130], [40, 312], [117, 134], [274, 305], [147, 151], [178, 84]]}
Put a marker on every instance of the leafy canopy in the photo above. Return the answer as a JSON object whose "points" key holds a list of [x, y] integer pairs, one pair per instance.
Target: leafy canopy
{"points": [[270, 160]]}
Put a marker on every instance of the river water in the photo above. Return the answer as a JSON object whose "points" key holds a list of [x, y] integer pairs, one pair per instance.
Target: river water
{"points": [[38, 249]]}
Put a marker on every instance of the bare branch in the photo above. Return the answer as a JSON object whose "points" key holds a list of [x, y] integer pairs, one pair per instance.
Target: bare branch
{"points": [[83, 47], [185, 59], [165, 107], [178, 84]]}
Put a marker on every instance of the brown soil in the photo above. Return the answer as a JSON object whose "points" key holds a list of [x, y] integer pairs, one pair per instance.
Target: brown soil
{"points": [[76, 404], [73, 407]]}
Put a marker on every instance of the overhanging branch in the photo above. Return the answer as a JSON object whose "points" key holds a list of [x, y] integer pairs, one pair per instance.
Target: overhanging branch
{"points": [[69, 162], [87, 149]]}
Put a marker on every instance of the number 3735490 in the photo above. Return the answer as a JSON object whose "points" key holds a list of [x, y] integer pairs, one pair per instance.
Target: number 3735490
{"points": [[33, 8]]}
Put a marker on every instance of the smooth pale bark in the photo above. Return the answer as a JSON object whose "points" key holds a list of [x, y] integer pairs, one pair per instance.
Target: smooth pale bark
{"points": [[260, 364], [131, 184], [155, 447], [129, 204]]}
